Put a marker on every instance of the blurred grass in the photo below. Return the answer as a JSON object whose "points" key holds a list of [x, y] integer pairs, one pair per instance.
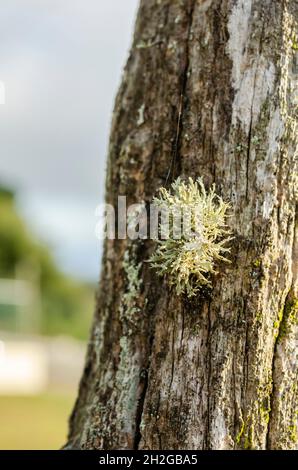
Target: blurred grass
{"points": [[34, 422]]}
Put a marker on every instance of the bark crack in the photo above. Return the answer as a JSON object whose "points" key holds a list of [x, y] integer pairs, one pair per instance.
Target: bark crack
{"points": [[249, 146], [207, 428], [249, 138], [181, 106], [279, 335], [141, 401], [175, 152], [274, 356]]}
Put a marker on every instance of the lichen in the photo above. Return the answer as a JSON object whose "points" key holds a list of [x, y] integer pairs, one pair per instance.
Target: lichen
{"points": [[293, 436], [141, 118], [129, 308], [257, 416], [128, 372], [188, 260], [295, 42], [241, 431], [289, 317], [127, 381], [145, 44], [293, 432], [255, 140], [246, 432], [277, 323]]}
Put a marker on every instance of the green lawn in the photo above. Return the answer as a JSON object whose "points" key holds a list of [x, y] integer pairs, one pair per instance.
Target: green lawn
{"points": [[37, 422]]}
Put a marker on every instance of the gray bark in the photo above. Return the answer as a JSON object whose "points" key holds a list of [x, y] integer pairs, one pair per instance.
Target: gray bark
{"points": [[216, 83]]}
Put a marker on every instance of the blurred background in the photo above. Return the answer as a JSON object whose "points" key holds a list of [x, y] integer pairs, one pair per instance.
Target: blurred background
{"points": [[60, 67]]}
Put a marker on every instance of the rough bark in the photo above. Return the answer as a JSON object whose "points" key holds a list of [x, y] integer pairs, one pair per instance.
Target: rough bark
{"points": [[210, 90]]}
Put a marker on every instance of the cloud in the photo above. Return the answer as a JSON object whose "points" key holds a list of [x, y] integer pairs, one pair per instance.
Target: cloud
{"points": [[61, 63]]}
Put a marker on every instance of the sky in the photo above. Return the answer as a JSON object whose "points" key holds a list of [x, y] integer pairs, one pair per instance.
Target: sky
{"points": [[61, 63]]}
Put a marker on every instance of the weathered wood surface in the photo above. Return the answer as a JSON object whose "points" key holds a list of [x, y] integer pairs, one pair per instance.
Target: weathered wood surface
{"points": [[209, 89]]}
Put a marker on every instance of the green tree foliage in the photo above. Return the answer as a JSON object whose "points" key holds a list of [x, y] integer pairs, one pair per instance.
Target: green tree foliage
{"points": [[66, 304]]}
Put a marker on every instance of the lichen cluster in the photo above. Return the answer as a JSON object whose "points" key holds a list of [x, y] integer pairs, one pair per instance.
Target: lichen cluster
{"points": [[188, 260]]}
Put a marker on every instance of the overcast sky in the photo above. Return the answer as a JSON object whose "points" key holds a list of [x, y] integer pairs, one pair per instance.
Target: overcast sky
{"points": [[61, 63]]}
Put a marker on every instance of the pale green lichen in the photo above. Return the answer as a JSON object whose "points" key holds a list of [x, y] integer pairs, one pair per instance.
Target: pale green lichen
{"points": [[277, 322], [257, 417], [293, 433], [255, 140], [128, 373], [146, 44], [291, 312], [287, 317], [257, 263], [129, 306], [295, 42], [241, 431], [189, 260]]}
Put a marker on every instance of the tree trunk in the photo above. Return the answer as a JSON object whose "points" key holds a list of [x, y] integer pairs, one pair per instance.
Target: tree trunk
{"points": [[210, 90]]}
